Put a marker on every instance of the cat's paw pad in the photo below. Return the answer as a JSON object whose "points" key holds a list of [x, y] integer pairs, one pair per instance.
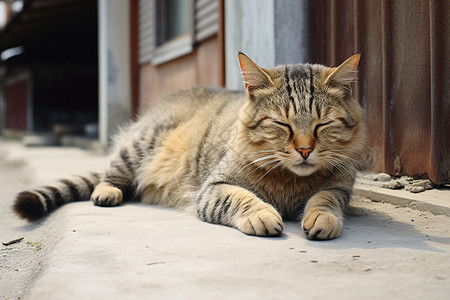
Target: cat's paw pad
{"points": [[106, 196], [321, 225], [262, 222]]}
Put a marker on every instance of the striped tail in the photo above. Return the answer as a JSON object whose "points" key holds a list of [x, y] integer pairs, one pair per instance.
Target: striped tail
{"points": [[35, 204]]}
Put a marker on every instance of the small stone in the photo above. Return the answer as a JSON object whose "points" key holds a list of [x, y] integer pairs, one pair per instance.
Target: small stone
{"points": [[394, 184], [314, 261], [382, 177], [418, 186], [428, 185], [403, 182], [417, 189]]}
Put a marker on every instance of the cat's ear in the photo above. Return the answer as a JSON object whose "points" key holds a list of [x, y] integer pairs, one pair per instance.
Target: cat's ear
{"points": [[254, 76], [346, 73]]}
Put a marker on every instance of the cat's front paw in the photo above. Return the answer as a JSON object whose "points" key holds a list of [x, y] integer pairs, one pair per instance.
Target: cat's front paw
{"points": [[105, 195], [321, 225], [264, 221]]}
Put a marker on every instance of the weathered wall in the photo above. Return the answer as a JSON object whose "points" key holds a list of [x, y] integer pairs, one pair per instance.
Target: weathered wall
{"points": [[114, 66], [403, 79], [269, 32], [195, 69]]}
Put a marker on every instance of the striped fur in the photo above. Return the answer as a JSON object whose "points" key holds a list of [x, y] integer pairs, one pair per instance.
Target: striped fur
{"points": [[34, 204], [246, 160]]}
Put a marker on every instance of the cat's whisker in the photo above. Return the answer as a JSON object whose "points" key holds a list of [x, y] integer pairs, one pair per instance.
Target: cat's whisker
{"points": [[275, 166], [258, 160], [324, 163], [255, 162], [340, 165], [341, 157], [257, 167], [262, 166], [345, 164], [248, 154], [333, 152]]}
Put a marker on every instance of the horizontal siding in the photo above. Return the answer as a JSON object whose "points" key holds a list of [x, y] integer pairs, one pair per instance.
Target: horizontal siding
{"points": [[206, 25], [146, 30], [206, 19]]}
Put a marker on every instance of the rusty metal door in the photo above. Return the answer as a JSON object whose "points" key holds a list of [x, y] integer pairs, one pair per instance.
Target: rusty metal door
{"points": [[404, 77]]}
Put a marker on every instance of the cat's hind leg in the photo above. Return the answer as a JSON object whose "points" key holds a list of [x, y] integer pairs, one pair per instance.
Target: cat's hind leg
{"points": [[106, 194], [117, 179], [231, 205]]}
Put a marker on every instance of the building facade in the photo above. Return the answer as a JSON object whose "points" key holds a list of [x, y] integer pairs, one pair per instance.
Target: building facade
{"points": [[149, 48]]}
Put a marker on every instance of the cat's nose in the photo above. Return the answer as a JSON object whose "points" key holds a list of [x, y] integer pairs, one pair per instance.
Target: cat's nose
{"points": [[304, 152]]}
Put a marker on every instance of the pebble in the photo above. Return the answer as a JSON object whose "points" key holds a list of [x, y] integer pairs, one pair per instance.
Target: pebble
{"points": [[403, 182], [417, 189], [382, 177], [393, 184], [418, 186], [408, 183]]}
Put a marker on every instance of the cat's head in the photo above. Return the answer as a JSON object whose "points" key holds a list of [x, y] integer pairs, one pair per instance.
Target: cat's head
{"points": [[302, 117]]}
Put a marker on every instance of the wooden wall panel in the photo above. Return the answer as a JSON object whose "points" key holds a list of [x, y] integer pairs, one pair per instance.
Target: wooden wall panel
{"points": [[199, 68]]}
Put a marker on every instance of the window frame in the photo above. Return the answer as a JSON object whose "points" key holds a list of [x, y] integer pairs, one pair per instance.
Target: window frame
{"points": [[176, 47]]}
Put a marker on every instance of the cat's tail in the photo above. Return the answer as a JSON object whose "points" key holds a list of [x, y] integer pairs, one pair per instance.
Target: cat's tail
{"points": [[35, 204]]}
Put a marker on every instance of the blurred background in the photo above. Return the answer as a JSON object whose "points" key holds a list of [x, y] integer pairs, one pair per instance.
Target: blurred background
{"points": [[72, 71]]}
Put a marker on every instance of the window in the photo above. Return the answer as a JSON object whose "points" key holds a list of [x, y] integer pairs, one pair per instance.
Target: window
{"points": [[169, 28], [174, 34]]}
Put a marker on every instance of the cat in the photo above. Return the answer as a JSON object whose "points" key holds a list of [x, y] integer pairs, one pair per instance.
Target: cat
{"points": [[290, 143]]}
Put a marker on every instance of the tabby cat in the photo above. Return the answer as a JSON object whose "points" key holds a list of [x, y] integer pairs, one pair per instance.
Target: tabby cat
{"points": [[291, 143]]}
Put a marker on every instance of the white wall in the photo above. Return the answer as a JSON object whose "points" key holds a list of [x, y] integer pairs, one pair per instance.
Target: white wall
{"points": [[249, 27], [270, 32], [114, 67], [292, 31]]}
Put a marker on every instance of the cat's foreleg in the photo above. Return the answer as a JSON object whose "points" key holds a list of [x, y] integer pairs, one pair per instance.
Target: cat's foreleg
{"points": [[109, 192], [324, 214], [231, 205]]}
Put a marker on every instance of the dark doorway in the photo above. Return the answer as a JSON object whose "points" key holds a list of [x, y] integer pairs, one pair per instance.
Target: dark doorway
{"points": [[58, 57]]}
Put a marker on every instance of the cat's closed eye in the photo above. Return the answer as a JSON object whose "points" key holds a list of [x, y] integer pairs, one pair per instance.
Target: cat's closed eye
{"points": [[287, 127], [320, 126]]}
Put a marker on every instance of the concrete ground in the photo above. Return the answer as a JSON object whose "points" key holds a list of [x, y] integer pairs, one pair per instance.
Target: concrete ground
{"points": [[386, 251]]}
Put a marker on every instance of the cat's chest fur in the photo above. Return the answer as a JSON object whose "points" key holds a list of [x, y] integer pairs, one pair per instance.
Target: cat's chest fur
{"points": [[287, 192]]}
